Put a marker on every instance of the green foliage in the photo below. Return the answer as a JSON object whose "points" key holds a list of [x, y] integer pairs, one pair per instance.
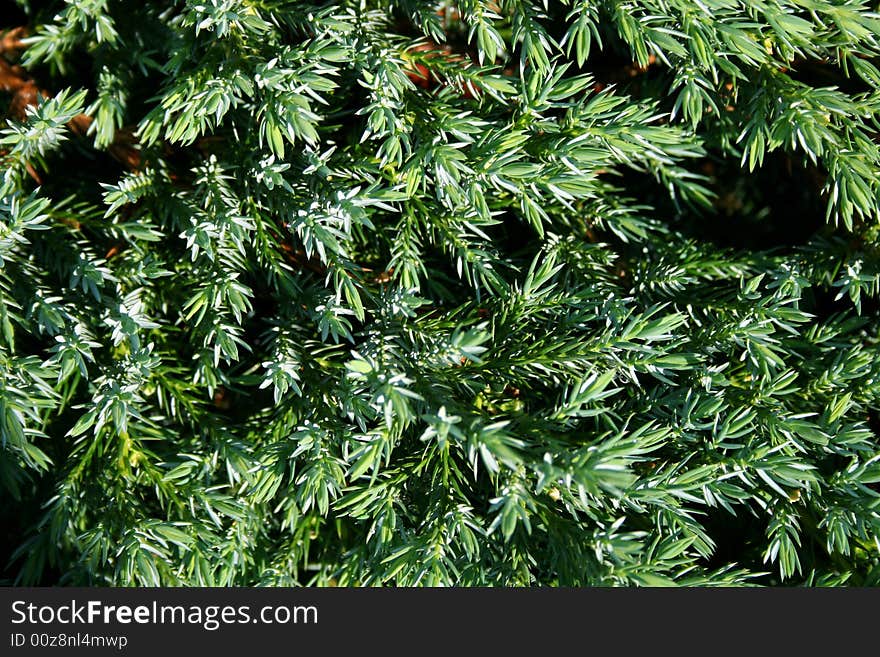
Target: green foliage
{"points": [[407, 293]]}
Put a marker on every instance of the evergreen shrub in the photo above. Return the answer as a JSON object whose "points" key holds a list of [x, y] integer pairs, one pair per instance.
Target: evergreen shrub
{"points": [[416, 292]]}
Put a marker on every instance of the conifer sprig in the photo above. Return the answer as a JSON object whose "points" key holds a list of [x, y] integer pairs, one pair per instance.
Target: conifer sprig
{"points": [[408, 292]]}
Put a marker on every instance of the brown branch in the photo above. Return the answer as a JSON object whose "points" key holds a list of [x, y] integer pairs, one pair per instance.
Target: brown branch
{"points": [[12, 40]]}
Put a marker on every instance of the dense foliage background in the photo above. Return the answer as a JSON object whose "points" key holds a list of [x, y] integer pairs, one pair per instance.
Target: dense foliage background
{"points": [[407, 292]]}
